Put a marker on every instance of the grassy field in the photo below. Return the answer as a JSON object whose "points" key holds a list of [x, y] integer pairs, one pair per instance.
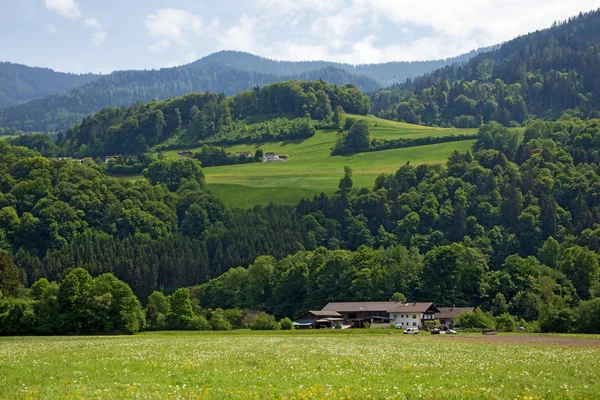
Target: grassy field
{"points": [[305, 365], [311, 169]]}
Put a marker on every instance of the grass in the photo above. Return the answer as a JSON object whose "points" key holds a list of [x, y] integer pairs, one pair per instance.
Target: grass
{"points": [[307, 365], [311, 169]]}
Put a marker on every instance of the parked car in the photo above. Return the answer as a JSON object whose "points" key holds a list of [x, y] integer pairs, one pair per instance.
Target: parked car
{"points": [[411, 331], [435, 331], [450, 332], [399, 326], [489, 332]]}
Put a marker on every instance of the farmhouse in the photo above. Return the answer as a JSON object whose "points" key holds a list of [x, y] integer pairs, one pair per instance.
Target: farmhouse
{"points": [[382, 313], [447, 315], [318, 319], [359, 313], [270, 157], [412, 315], [108, 158], [186, 154], [244, 154]]}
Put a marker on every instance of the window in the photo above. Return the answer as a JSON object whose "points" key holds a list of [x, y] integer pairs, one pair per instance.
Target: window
{"points": [[414, 324], [414, 315], [401, 315], [395, 316]]}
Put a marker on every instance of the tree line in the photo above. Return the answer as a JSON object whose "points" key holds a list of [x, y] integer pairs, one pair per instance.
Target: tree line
{"points": [[355, 137], [200, 117]]}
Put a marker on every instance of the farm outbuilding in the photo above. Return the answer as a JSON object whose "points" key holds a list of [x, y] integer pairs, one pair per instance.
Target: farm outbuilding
{"points": [[318, 319]]}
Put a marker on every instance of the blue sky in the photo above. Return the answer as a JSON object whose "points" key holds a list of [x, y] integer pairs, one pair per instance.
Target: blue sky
{"points": [[106, 35]]}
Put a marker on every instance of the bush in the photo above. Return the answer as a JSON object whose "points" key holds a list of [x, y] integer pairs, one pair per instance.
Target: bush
{"points": [[235, 316], [199, 323], [218, 321], [429, 325], [286, 324], [559, 321], [475, 320], [264, 322], [505, 323], [588, 316]]}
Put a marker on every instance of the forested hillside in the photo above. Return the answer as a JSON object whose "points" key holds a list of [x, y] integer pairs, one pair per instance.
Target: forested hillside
{"points": [[512, 227], [61, 111], [384, 73], [202, 116], [20, 83], [542, 75]]}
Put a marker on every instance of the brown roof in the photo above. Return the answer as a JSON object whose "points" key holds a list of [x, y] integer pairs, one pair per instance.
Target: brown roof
{"points": [[325, 313], [452, 312], [413, 307], [360, 306]]}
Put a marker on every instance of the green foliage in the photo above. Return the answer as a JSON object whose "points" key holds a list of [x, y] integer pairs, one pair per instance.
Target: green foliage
{"points": [[505, 322], [587, 316], [39, 142], [264, 322], [219, 322], [79, 305], [10, 280], [477, 319], [180, 314], [175, 173], [286, 324], [398, 297], [359, 135]]}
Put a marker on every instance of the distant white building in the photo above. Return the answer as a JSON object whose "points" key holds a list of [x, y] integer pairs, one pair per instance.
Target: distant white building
{"points": [[270, 157], [412, 315], [244, 154]]}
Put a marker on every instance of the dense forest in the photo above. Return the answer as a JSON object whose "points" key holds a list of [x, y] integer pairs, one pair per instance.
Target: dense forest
{"points": [[20, 83], [540, 75], [510, 227], [296, 106], [60, 111]]}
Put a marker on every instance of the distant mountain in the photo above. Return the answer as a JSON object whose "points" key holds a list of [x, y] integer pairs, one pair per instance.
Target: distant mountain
{"points": [[225, 72], [540, 75], [20, 83], [386, 73], [60, 111]]}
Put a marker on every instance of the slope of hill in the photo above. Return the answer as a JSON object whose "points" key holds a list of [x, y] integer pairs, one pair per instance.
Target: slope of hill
{"points": [[385, 73], [542, 74], [311, 169], [60, 111], [20, 83]]}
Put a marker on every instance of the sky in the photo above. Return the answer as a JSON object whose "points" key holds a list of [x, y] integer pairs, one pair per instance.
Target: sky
{"points": [[101, 36]]}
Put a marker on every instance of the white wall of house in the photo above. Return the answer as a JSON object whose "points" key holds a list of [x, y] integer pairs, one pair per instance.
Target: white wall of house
{"points": [[410, 320]]}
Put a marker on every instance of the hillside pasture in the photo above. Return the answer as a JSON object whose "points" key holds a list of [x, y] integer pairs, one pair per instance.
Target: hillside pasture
{"points": [[353, 364], [312, 170]]}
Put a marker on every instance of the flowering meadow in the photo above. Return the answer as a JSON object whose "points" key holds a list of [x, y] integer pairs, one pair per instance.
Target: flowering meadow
{"points": [[306, 365]]}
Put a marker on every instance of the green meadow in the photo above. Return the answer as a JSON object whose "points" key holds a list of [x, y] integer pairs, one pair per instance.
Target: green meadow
{"points": [[357, 364], [311, 169]]}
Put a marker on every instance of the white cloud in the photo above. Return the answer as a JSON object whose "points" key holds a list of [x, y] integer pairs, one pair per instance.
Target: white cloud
{"points": [[242, 36], [92, 23], [66, 8], [481, 22], [173, 26], [51, 28], [98, 38]]}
